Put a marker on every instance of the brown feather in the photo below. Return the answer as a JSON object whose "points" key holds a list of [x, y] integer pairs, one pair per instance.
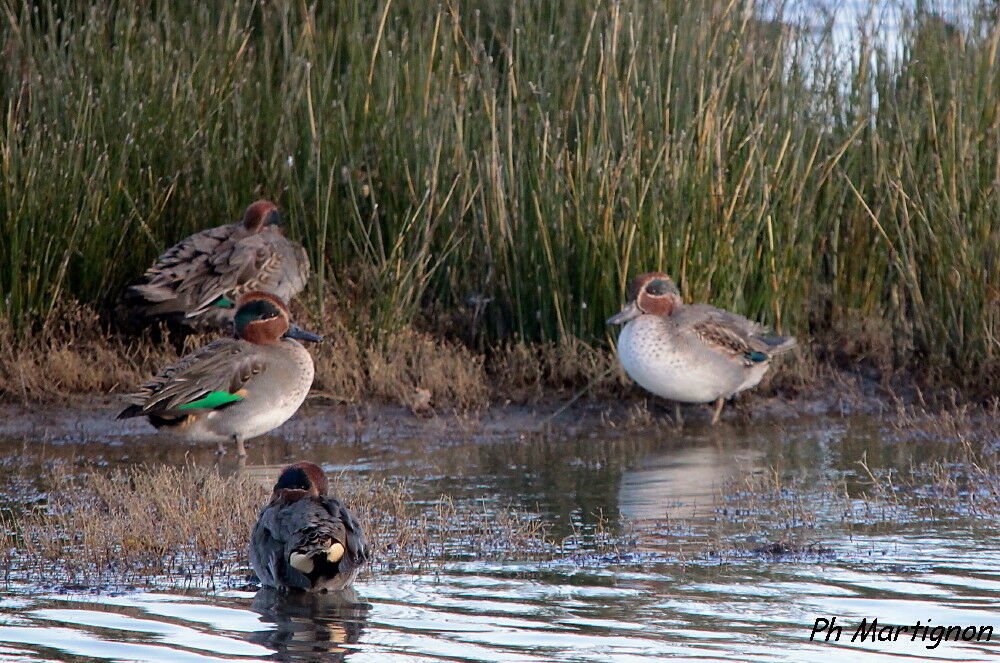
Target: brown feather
{"points": [[223, 365], [263, 332], [229, 260], [713, 333]]}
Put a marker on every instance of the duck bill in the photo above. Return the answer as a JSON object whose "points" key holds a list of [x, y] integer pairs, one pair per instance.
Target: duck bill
{"points": [[628, 312], [299, 334]]}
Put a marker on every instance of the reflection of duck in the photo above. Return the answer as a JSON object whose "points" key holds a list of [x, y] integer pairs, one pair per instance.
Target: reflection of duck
{"points": [[308, 624], [681, 483], [304, 539]]}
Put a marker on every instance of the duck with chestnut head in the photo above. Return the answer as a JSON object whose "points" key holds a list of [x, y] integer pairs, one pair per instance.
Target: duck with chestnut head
{"points": [[234, 388], [690, 353], [194, 284], [305, 539]]}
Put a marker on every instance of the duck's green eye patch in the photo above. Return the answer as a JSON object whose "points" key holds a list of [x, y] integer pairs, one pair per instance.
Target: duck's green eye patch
{"points": [[258, 309], [660, 287], [294, 478]]}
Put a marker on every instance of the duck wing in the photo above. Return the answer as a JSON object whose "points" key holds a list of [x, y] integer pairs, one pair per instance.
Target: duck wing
{"points": [[238, 266], [192, 275], [208, 378], [301, 541], [735, 335], [293, 269]]}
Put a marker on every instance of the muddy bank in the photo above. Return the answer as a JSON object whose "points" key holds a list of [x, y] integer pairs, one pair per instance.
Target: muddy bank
{"points": [[430, 375], [88, 418]]}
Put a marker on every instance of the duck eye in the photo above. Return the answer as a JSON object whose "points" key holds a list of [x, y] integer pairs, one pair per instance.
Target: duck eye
{"points": [[658, 287]]}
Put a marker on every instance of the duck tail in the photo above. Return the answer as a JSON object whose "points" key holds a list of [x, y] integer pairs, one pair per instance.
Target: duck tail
{"points": [[778, 344], [130, 411], [318, 555]]}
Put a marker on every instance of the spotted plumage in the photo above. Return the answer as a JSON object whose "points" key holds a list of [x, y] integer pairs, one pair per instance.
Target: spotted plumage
{"points": [[305, 539], [233, 388], [690, 353], [193, 284]]}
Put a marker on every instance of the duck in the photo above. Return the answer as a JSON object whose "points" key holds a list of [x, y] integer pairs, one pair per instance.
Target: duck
{"points": [[234, 388], [304, 539], [193, 285], [690, 353]]}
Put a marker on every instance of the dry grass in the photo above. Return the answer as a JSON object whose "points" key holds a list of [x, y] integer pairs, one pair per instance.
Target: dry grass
{"points": [[964, 479], [795, 510], [529, 372], [72, 354], [77, 355], [399, 368], [765, 503], [154, 521], [145, 520]]}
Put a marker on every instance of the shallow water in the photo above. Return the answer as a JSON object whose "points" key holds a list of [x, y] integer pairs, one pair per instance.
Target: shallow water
{"points": [[689, 583]]}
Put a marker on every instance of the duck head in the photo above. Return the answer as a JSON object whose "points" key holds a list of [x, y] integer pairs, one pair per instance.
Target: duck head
{"points": [[263, 318], [261, 215], [653, 293], [306, 477]]}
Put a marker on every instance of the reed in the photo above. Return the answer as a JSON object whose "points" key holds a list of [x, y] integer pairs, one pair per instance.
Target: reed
{"points": [[514, 163]]}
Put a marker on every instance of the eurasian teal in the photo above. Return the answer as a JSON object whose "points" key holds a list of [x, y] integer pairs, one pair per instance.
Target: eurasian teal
{"points": [[233, 388], [192, 285], [690, 353], [304, 539]]}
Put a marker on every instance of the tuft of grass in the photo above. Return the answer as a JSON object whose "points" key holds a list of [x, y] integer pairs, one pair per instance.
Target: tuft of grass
{"points": [[140, 521], [398, 368], [70, 355], [190, 522]]}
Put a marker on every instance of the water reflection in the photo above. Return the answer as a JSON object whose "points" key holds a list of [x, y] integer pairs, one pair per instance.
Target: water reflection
{"points": [[673, 601], [308, 626], [681, 483]]}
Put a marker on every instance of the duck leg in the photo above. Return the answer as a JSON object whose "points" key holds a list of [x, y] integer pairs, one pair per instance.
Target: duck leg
{"points": [[678, 419], [718, 410], [220, 450], [241, 451]]}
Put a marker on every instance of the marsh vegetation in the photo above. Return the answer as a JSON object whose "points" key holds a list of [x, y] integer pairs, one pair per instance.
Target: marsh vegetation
{"points": [[473, 177], [110, 518], [191, 523]]}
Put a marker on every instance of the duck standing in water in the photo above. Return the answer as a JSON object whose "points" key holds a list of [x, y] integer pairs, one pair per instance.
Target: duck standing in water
{"points": [[690, 353], [193, 285], [233, 388], [304, 539]]}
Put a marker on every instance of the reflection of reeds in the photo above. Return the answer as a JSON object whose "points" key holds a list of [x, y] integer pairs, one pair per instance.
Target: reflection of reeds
{"points": [[516, 161], [148, 521]]}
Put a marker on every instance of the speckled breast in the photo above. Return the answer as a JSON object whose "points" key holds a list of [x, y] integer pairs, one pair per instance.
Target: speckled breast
{"points": [[672, 366]]}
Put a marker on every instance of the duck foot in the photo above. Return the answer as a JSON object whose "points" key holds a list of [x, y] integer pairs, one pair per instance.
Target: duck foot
{"points": [[718, 410]]}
